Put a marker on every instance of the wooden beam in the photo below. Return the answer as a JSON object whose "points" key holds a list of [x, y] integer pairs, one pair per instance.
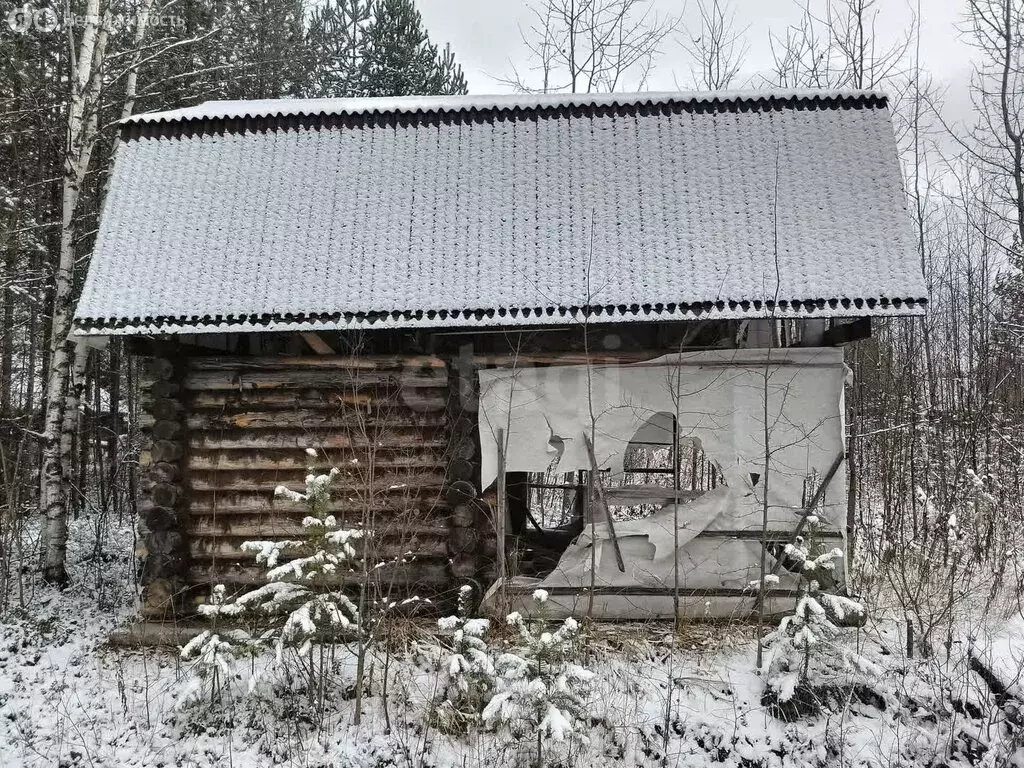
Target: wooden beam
{"points": [[812, 505], [641, 591], [604, 503], [846, 332], [501, 513], [316, 343], [634, 495]]}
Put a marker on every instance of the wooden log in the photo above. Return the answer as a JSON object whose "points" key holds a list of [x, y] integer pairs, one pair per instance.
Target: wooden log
{"points": [[296, 379], [168, 388], [166, 409], [421, 400], [160, 369], [159, 566], [380, 399], [156, 388], [333, 417], [164, 494], [458, 469], [264, 461], [460, 492], [166, 430], [464, 516], [153, 634], [167, 450], [163, 472], [386, 484], [302, 439], [230, 548], [343, 362], [464, 540], [463, 568], [170, 542], [157, 598], [290, 527], [424, 574], [153, 517], [242, 503], [464, 447]]}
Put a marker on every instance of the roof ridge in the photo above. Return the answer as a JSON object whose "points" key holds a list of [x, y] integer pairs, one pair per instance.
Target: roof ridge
{"points": [[277, 108]]}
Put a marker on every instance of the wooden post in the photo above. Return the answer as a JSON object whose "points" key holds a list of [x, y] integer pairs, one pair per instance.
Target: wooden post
{"points": [[501, 515], [468, 563], [604, 504]]}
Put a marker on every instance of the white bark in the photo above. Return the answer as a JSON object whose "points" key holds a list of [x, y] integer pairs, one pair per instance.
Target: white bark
{"points": [[86, 79]]}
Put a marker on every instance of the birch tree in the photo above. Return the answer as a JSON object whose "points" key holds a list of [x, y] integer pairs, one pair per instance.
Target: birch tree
{"points": [[719, 48], [87, 59], [590, 46]]}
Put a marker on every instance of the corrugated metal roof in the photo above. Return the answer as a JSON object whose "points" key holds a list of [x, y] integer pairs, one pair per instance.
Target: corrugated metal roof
{"points": [[502, 211], [492, 102]]}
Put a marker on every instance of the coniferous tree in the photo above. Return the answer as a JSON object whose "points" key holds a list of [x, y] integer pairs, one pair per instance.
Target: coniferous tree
{"points": [[334, 43], [398, 58]]}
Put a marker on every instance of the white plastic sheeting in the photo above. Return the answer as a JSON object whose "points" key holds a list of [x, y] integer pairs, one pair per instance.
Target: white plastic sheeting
{"points": [[734, 402]]}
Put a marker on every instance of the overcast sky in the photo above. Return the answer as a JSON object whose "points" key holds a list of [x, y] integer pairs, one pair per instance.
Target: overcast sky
{"points": [[486, 39]]}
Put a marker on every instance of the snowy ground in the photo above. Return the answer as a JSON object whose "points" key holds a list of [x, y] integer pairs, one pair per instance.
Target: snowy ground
{"points": [[67, 699]]}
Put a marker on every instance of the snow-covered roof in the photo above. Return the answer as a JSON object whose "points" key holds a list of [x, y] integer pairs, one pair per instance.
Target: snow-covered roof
{"points": [[462, 103], [502, 210]]}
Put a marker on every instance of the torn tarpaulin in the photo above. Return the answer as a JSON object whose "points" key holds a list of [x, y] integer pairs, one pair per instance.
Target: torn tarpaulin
{"points": [[724, 399]]}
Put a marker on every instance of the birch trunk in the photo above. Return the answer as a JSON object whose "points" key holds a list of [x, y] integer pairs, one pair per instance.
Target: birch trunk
{"points": [[86, 79]]}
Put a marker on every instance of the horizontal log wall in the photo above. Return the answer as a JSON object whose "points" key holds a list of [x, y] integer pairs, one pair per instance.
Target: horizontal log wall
{"points": [[381, 420]]}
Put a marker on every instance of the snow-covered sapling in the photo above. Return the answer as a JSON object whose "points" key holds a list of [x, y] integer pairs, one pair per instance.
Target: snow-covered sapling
{"points": [[542, 692], [469, 674], [213, 662], [808, 634], [300, 605]]}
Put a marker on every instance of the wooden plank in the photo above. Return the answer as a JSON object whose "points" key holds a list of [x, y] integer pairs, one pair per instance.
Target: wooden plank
{"points": [[812, 505], [501, 508], [569, 358], [633, 495], [306, 379], [316, 342], [637, 359], [341, 362], [846, 331], [635, 591], [596, 475], [754, 534]]}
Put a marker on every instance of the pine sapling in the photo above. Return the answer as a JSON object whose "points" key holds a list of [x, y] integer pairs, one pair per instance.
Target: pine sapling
{"points": [[805, 640], [542, 692], [300, 606], [468, 669]]}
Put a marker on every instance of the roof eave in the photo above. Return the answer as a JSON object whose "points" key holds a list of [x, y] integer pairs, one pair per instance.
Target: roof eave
{"points": [[491, 319]]}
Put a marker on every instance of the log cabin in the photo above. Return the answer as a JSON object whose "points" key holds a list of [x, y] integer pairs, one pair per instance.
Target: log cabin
{"points": [[587, 343]]}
